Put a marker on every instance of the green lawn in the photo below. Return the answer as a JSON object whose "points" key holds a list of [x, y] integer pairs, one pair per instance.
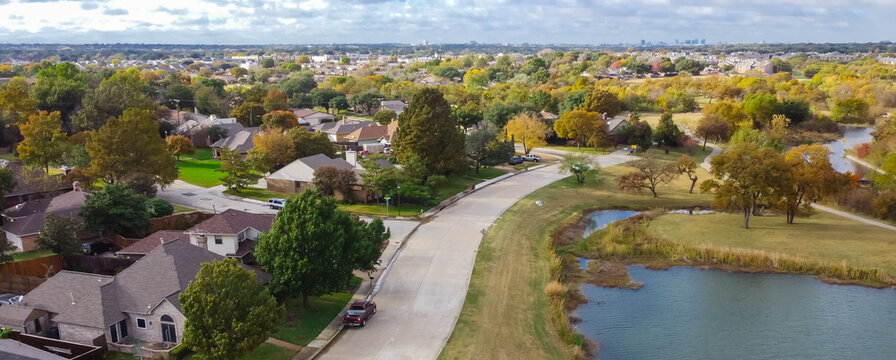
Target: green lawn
{"points": [[33, 254], [117, 355], [583, 149], [506, 314], [822, 237], [301, 325], [200, 172], [267, 351], [182, 209], [695, 152], [200, 154], [259, 194], [9, 157]]}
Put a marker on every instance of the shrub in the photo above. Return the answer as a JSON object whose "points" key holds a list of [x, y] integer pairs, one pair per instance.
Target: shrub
{"points": [[156, 207], [555, 290], [884, 205]]}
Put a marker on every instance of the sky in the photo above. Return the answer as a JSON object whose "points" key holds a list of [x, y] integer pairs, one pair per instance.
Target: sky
{"points": [[444, 21]]}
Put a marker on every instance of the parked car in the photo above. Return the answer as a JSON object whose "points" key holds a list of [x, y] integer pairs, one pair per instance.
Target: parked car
{"points": [[95, 247], [9, 299], [358, 313], [516, 160], [530, 157], [276, 203]]}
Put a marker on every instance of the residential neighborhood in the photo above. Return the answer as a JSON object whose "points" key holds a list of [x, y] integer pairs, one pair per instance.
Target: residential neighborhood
{"points": [[447, 180]]}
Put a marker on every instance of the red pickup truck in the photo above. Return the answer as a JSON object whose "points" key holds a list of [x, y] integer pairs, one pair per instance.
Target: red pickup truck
{"points": [[359, 312]]}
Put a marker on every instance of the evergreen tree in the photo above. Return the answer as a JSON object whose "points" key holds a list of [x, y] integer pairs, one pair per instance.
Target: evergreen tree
{"points": [[427, 129]]}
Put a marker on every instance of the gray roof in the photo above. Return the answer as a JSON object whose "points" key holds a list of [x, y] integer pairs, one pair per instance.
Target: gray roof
{"points": [[344, 127], [395, 105], [14, 350], [102, 300], [240, 140], [320, 160], [28, 218], [614, 124], [233, 221]]}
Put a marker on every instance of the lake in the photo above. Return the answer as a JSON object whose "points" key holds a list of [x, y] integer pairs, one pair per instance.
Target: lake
{"points": [[599, 219], [852, 136], [687, 313]]}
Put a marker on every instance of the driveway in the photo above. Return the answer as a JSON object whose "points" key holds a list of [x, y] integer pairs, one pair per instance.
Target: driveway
{"points": [[212, 199], [424, 291]]}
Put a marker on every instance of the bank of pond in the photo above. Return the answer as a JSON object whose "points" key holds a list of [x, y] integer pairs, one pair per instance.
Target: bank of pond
{"points": [[633, 296]]}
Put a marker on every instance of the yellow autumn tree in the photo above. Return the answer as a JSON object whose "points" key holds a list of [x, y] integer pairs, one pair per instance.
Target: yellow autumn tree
{"points": [[526, 130], [44, 140]]}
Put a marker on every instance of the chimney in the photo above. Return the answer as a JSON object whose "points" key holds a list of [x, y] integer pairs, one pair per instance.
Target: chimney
{"points": [[76, 186], [351, 157]]}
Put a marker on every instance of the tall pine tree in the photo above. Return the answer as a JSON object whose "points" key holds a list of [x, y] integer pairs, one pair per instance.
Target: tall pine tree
{"points": [[427, 129]]}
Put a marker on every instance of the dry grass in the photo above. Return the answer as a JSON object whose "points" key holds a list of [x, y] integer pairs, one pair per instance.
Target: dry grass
{"points": [[690, 119]]}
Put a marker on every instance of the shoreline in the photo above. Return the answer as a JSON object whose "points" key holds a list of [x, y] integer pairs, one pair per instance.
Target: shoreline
{"points": [[612, 271]]}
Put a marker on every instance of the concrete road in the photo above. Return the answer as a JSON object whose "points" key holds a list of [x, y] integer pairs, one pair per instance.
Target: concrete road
{"points": [[212, 199], [423, 294]]}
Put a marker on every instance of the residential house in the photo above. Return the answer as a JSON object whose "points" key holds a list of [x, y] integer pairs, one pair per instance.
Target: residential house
{"points": [[31, 184], [549, 116], [373, 138], [312, 118], [298, 175], [140, 304], [239, 140], [337, 131], [614, 124], [395, 105], [144, 246], [23, 222], [231, 233]]}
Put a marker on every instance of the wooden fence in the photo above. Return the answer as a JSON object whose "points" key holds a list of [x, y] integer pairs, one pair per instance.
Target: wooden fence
{"points": [[181, 221], [66, 349], [40, 267], [19, 284]]}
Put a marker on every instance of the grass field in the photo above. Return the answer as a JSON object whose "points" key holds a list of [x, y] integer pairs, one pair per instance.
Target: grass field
{"points": [[689, 119], [199, 169], [696, 152], [583, 149], [506, 314], [33, 254], [182, 209], [267, 351], [822, 237]]}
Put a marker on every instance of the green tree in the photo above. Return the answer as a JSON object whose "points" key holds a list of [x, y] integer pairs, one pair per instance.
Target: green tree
{"points": [[216, 133], [312, 247], [744, 174], [601, 101], [16, 105], [7, 184], [339, 103], [500, 113], [59, 235], [579, 165], [249, 113], [330, 181], [636, 132], [130, 145], [686, 165], [384, 116], [279, 120], [179, 145], [426, 129], [307, 143], [228, 312], [275, 100], [366, 101], [239, 174], [475, 79], [583, 127], [483, 148], [667, 132], [123, 90], [573, 100], [208, 101], [267, 63], [117, 208], [156, 207], [300, 83], [59, 88], [466, 116], [851, 111], [271, 149], [44, 142], [760, 108], [322, 96]]}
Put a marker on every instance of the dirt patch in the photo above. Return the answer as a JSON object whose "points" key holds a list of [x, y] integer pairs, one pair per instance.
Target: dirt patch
{"points": [[607, 273]]}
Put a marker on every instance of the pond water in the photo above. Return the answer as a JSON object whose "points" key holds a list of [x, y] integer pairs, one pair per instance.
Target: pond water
{"points": [[687, 313], [852, 136], [601, 218]]}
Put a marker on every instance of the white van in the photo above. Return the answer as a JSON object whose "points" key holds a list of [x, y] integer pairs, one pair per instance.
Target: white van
{"points": [[276, 203]]}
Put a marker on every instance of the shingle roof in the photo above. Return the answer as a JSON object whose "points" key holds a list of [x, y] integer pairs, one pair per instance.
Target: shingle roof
{"points": [[16, 315], [233, 221], [147, 244], [395, 105], [14, 350], [300, 113], [23, 186], [374, 132], [347, 127], [58, 293], [320, 160], [240, 141], [28, 219]]}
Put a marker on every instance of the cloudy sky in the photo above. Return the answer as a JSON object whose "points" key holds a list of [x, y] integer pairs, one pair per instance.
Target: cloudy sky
{"points": [[444, 21]]}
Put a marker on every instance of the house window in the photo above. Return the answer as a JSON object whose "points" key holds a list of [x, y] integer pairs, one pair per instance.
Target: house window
{"points": [[241, 236], [37, 328], [218, 240], [113, 333], [169, 333], [141, 323], [123, 328]]}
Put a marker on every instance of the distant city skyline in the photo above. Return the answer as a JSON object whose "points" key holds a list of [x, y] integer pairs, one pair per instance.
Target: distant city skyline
{"points": [[444, 21]]}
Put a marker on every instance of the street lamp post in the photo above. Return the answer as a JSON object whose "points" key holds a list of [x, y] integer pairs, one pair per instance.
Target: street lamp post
{"points": [[399, 200]]}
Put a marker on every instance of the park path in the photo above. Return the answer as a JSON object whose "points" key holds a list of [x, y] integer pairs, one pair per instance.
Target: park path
{"points": [[421, 298]]}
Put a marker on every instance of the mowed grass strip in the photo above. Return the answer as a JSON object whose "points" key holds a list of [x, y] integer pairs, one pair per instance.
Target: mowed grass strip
{"points": [[200, 172], [506, 314], [822, 237]]}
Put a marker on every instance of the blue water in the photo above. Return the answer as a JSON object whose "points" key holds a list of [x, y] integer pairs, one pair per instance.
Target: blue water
{"points": [[601, 218], [686, 313], [852, 136]]}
